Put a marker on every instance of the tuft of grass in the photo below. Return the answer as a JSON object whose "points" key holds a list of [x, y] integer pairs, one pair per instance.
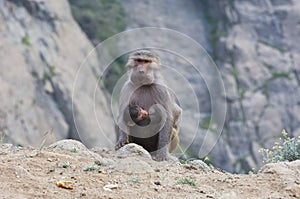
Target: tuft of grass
{"points": [[43, 143], [65, 165], [280, 74], [275, 75], [48, 75], [35, 75], [92, 168], [26, 41], [241, 91], [1, 138], [189, 181], [234, 72], [206, 122], [267, 43], [73, 150], [133, 180], [286, 150]]}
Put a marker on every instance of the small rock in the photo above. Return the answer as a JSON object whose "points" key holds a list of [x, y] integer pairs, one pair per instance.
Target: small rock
{"points": [[110, 187], [78, 148], [69, 145], [281, 168], [133, 150], [201, 165]]}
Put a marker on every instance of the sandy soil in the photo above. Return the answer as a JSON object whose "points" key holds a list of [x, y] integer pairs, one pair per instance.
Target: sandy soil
{"points": [[33, 173]]}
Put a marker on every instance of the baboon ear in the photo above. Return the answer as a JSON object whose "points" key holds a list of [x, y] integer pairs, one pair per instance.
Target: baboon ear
{"points": [[154, 65], [129, 64], [131, 123]]}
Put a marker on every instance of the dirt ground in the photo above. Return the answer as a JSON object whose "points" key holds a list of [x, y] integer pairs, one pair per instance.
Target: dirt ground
{"points": [[37, 173]]}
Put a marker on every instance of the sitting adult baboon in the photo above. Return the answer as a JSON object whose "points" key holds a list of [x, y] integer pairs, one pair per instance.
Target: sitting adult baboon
{"points": [[145, 88]]}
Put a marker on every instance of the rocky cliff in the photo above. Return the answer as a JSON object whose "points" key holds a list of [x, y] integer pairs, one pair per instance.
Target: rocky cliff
{"points": [[258, 55], [41, 50], [255, 46]]}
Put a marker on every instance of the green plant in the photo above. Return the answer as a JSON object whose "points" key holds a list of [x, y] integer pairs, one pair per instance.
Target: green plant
{"points": [[241, 90], [35, 75], [280, 74], [287, 149], [234, 71], [213, 30], [275, 75], [46, 134], [267, 43], [99, 19], [48, 75], [207, 122], [133, 180], [91, 168], [65, 165], [189, 181], [113, 73], [73, 150], [26, 41]]}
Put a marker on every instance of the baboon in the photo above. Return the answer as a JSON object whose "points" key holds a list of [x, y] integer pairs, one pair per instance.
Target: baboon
{"points": [[145, 88]]}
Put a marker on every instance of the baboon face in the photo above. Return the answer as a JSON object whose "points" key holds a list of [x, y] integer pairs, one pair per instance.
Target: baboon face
{"points": [[142, 67], [142, 72]]}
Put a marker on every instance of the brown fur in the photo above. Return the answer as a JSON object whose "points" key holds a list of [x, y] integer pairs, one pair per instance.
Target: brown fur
{"points": [[146, 89], [146, 120]]}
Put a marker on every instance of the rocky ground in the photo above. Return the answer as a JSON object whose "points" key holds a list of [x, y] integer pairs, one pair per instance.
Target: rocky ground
{"points": [[69, 170]]}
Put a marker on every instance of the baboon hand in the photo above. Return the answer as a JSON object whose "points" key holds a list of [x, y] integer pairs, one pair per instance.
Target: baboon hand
{"points": [[160, 156], [122, 142]]}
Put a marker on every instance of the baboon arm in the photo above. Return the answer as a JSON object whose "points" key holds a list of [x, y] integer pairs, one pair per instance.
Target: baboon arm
{"points": [[163, 141], [122, 140]]}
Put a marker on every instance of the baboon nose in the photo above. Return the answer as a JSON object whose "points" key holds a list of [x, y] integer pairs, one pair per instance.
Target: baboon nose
{"points": [[141, 71]]}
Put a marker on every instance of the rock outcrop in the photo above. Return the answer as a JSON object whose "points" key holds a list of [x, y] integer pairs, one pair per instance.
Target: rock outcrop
{"points": [[259, 59], [42, 99], [255, 46]]}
